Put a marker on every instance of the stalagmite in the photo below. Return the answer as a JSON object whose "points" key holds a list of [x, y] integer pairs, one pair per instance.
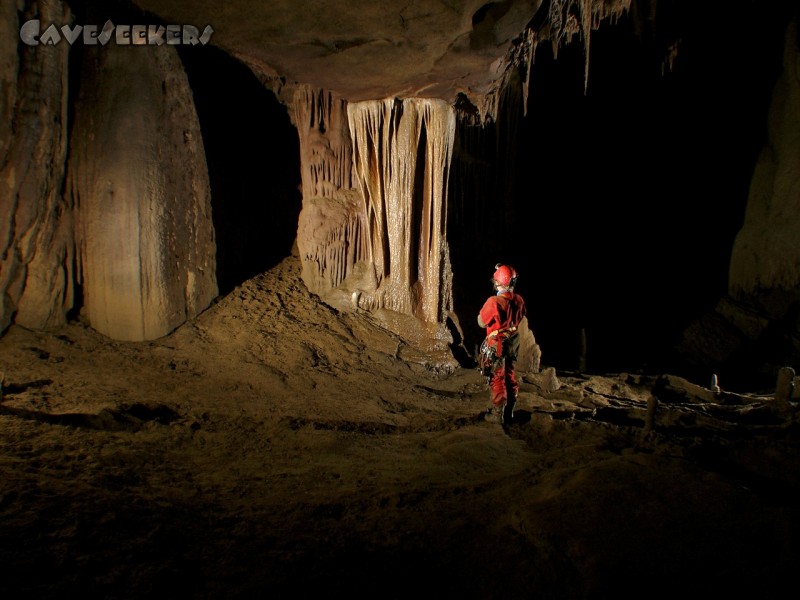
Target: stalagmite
{"points": [[530, 354], [582, 352], [650, 415]]}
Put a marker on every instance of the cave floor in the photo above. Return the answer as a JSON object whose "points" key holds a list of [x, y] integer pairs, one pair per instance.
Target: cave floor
{"points": [[276, 447]]}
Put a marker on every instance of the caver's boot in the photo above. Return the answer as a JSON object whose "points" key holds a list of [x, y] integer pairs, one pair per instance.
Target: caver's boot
{"points": [[494, 414]]}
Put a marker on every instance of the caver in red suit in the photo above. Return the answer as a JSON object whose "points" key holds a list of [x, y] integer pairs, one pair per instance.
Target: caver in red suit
{"points": [[501, 315]]}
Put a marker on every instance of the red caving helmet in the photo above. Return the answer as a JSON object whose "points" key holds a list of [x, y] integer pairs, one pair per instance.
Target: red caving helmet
{"points": [[505, 275]]}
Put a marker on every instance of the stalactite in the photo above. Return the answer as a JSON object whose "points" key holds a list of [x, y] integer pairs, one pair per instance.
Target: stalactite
{"points": [[321, 119], [565, 20], [586, 28], [556, 23], [531, 43], [402, 152], [330, 226]]}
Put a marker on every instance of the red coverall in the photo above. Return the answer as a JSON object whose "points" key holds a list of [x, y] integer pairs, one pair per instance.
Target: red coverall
{"points": [[500, 313]]}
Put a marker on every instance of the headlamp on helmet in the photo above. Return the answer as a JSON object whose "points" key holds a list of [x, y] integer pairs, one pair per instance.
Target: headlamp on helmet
{"points": [[505, 275]]}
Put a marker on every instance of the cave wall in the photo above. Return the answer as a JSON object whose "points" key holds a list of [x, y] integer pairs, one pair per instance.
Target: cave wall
{"points": [[36, 242], [138, 179]]}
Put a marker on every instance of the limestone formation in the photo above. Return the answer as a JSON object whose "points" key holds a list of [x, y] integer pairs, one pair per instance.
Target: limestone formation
{"points": [[371, 234], [330, 240], [784, 387], [766, 253], [530, 355], [402, 152], [326, 153], [650, 415], [330, 233], [140, 185], [36, 247], [545, 381]]}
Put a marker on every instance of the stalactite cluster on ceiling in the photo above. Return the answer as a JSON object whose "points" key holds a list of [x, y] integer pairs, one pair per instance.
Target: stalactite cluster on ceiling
{"points": [[565, 22]]}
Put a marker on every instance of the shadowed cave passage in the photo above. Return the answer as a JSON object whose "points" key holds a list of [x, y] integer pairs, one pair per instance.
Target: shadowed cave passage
{"points": [[253, 157], [625, 200]]}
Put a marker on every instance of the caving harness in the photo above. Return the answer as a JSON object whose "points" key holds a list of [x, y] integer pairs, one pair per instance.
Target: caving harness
{"points": [[491, 354]]}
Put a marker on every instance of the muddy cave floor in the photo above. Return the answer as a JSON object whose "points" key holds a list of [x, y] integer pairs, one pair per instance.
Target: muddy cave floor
{"points": [[275, 447]]}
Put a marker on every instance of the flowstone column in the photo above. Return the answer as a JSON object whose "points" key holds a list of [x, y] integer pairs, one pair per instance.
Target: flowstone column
{"points": [[402, 151], [139, 180]]}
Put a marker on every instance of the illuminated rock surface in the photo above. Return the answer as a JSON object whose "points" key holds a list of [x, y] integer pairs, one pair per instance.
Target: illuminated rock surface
{"points": [[318, 428], [139, 179], [36, 249]]}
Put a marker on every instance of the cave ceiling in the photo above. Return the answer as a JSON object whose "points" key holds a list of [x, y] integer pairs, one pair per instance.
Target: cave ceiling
{"points": [[363, 49]]}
